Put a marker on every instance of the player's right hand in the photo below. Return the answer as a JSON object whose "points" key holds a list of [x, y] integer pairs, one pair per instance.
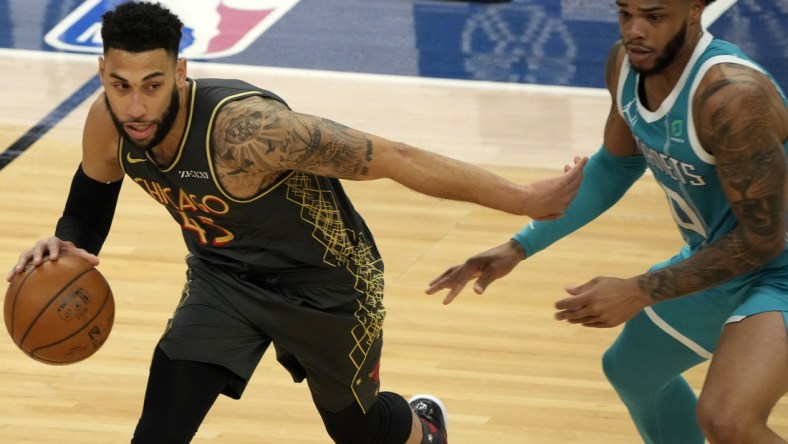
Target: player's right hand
{"points": [[51, 248]]}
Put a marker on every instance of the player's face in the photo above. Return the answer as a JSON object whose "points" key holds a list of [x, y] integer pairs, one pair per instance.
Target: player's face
{"points": [[654, 32], [141, 92]]}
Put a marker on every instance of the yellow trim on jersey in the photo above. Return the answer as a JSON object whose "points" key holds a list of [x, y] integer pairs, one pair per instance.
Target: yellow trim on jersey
{"points": [[120, 155], [185, 131]]}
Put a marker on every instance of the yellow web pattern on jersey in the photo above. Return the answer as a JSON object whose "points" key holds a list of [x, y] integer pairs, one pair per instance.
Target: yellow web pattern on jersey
{"points": [[318, 208]]}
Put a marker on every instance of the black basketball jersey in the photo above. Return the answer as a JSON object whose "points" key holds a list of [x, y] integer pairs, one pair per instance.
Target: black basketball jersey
{"points": [[301, 222]]}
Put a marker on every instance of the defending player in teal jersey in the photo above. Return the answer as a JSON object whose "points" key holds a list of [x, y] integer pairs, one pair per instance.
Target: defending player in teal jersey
{"points": [[713, 128]]}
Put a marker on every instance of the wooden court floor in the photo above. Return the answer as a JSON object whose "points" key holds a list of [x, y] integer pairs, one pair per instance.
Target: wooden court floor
{"points": [[507, 372]]}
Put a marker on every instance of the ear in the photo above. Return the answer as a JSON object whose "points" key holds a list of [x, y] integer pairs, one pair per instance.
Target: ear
{"points": [[696, 11], [180, 71], [102, 68]]}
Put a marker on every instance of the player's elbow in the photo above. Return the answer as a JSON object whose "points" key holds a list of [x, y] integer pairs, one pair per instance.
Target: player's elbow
{"points": [[396, 161]]}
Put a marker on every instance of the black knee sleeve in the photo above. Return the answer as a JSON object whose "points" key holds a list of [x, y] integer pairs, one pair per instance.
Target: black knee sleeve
{"points": [[388, 421]]}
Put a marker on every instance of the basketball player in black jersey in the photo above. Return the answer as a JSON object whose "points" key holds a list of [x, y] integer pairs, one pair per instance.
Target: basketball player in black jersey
{"points": [[278, 255]]}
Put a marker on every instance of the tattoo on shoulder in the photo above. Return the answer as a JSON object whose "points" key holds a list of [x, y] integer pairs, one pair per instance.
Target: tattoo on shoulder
{"points": [[242, 151], [242, 128]]}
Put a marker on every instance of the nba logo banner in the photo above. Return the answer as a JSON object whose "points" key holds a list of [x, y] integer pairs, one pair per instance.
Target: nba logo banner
{"points": [[212, 28]]}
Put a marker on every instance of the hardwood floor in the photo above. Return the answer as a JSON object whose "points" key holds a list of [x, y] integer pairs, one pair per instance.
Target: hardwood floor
{"points": [[506, 370]]}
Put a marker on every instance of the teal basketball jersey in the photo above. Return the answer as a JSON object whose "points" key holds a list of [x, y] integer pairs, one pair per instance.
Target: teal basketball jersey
{"points": [[668, 139]]}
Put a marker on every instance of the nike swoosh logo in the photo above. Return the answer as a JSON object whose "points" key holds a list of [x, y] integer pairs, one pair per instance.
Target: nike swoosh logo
{"points": [[130, 159]]}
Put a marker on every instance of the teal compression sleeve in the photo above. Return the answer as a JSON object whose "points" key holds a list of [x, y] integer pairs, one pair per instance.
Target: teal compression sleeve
{"points": [[605, 180]]}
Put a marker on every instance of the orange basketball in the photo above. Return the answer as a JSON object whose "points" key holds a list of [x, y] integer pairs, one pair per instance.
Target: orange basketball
{"points": [[60, 312]]}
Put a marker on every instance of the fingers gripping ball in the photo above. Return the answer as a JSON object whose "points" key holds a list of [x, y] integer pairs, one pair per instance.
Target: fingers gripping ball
{"points": [[60, 312]]}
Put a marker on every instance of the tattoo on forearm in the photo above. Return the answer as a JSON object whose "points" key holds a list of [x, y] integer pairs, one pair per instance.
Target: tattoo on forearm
{"points": [[679, 280]]}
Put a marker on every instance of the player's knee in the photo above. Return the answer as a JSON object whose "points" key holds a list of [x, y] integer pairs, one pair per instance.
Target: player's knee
{"points": [[722, 429], [725, 423], [388, 421], [615, 367]]}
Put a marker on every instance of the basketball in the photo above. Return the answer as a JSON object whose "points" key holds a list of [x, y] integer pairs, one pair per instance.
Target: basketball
{"points": [[60, 312]]}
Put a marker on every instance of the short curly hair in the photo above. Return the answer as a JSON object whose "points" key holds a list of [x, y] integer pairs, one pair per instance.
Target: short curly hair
{"points": [[139, 27]]}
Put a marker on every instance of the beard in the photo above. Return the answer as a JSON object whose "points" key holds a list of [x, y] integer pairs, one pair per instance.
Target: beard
{"points": [[669, 54], [163, 125]]}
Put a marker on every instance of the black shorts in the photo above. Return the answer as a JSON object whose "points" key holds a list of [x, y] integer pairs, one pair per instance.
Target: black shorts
{"points": [[230, 320]]}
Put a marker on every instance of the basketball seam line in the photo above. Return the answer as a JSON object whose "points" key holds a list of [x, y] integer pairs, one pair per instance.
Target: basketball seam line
{"points": [[38, 316], [98, 312]]}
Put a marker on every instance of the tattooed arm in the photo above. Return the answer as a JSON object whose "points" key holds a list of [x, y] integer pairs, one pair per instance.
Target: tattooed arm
{"points": [[743, 122], [751, 164], [257, 139]]}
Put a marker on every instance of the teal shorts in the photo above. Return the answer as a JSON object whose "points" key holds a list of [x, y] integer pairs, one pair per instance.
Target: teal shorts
{"points": [[697, 320]]}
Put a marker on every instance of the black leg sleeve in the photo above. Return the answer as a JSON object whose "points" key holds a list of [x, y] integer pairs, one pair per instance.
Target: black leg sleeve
{"points": [[178, 397], [388, 421]]}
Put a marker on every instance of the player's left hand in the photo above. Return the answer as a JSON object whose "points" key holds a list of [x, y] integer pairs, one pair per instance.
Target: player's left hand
{"points": [[602, 302]]}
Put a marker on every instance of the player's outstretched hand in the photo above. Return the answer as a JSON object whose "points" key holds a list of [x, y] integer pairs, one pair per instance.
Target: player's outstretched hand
{"points": [[550, 197], [487, 266]]}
